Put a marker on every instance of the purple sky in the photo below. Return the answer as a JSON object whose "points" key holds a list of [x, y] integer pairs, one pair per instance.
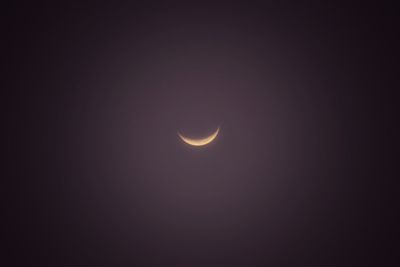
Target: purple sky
{"points": [[103, 178]]}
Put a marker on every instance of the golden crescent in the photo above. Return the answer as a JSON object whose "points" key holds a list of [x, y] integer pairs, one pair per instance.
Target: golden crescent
{"points": [[201, 141]]}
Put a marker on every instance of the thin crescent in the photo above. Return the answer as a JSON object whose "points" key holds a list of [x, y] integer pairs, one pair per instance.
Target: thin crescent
{"points": [[201, 141]]}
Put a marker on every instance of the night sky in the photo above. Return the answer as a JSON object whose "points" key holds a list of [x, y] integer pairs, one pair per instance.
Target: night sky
{"points": [[96, 174]]}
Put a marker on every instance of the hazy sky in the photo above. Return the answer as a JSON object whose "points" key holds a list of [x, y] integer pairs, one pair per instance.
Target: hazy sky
{"points": [[102, 178]]}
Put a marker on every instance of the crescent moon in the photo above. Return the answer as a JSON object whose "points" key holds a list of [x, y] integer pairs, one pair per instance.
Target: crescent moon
{"points": [[200, 142]]}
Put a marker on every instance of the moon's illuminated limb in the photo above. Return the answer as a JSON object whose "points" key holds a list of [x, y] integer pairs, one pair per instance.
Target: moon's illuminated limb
{"points": [[201, 141]]}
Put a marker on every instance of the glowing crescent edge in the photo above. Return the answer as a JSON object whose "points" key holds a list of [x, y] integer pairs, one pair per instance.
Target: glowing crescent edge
{"points": [[200, 142]]}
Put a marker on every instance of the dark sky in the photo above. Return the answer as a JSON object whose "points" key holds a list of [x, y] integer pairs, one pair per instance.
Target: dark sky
{"points": [[97, 176]]}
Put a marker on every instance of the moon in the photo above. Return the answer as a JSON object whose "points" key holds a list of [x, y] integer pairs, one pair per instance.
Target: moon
{"points": [[201, 141]]}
